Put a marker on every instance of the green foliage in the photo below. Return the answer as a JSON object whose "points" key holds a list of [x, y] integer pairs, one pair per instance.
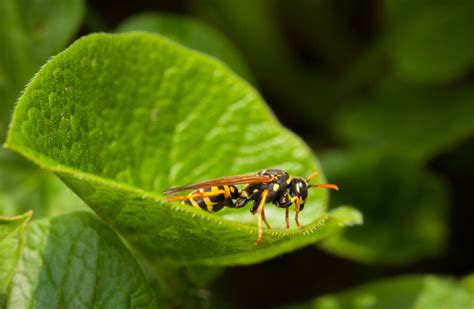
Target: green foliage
{"points": [[408, 226], [190, 33], [468, 283], [126, 130], [24, 187], [11, 241], [69, 261], [411, 122], [30, 33], [254, 26], [120, 118], [430, 42], [415, 292]]}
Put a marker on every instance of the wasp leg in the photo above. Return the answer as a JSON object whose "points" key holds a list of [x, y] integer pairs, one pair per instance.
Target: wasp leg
{"points": [[287, 217], [263, 199], [297, 210], [265, 220], [193, 195]]}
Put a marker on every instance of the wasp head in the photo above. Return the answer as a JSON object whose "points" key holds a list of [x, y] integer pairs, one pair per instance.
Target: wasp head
{"points": [[299, 188]]}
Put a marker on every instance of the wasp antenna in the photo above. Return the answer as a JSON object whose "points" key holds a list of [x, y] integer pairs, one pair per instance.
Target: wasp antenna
{"points": [[325, 185], [313, 175]]}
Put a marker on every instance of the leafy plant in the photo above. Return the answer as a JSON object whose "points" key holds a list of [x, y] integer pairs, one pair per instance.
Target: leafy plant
{"points": [[384, 86], [118, 142], [114, 116], [411, 222], [404, 292], [68, 261], [31, 32], [191, 33], [430, 41], [40, 29]]}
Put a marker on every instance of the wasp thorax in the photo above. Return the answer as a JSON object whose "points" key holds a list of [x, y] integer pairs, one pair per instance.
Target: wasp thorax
{"points": [[234, 192]]}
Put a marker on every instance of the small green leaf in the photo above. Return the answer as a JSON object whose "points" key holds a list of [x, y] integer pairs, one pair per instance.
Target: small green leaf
{"points": [[409, 292], [72, 261], [11, 241], [431, 42], [120, 118], [410, 122], [405, 208], [190, 33]]}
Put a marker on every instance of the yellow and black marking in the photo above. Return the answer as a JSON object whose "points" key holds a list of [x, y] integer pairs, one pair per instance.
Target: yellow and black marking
{"points": [[212, 199]]}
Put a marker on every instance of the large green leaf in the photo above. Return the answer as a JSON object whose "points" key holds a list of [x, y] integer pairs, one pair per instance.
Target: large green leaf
{"points": [[120, 118], [12, 230], [405, 208], [411, 122], [431, 41], [75, 260], [191, 33], [409, 292]]}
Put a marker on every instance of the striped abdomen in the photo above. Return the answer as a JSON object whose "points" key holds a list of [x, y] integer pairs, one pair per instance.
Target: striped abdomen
{"points": [[216, 202]]}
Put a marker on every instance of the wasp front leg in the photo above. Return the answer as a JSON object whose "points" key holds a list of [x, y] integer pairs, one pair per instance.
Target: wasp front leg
{"points": [[298, 208], [261, 204]]}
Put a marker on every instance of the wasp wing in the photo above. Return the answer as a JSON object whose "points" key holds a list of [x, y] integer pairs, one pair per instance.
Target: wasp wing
{"points": [[227, 180]]}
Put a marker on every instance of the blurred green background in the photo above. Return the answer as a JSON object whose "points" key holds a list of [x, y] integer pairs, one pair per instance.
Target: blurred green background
{"points": [[383, 91]]}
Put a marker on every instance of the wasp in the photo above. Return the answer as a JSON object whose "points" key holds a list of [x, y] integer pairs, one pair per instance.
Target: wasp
{"points": [[267, 186]]}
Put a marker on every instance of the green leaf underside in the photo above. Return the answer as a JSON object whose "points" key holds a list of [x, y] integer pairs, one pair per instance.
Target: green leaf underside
{"points": [[404, 208], [76, 261], [120, 118], [410, 292], [190, 33], [11, 240]]}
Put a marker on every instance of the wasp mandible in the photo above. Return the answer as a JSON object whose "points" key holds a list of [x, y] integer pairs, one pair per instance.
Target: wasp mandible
{"points": [[267, 186]]}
